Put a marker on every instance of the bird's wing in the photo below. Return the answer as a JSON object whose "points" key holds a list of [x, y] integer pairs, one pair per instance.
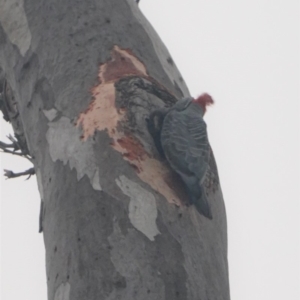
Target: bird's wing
{"points": [[185, 143]]}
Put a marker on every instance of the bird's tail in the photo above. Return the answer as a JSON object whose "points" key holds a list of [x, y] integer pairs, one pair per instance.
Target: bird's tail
{"points": [[197, 195], [202, 205]]}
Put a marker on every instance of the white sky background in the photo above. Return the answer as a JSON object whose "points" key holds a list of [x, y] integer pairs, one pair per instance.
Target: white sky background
{"points": [[246, 55]]}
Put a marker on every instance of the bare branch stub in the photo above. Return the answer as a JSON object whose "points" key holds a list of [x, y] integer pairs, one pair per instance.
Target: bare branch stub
{"points": [[10, 174]]}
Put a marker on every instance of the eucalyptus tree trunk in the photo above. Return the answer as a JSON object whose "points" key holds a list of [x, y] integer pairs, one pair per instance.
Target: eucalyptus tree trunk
{"points": [[81, 79]]}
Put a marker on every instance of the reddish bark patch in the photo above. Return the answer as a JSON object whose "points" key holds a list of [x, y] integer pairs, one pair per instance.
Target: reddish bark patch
{"points": [[102, 114], [134, 149], [150, 170], [123, 63]]}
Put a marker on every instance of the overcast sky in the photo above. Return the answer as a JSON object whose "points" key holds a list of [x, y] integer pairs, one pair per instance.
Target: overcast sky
{"points": [[246, 55]]}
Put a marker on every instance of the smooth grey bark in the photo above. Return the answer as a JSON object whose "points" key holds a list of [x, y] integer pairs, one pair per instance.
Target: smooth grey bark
{"points": [[83, 76]]}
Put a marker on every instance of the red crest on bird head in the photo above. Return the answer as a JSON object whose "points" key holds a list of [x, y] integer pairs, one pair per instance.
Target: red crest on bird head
{"points": [[204, 100]]}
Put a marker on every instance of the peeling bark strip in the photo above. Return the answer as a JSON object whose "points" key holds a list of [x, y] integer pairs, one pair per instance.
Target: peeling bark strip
{"points": [[103, 113], [14, 22], [65, 145], [142, 207]]}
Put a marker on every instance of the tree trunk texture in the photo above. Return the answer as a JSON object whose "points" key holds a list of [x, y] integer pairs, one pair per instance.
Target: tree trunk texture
{"points": [[81, 79]]}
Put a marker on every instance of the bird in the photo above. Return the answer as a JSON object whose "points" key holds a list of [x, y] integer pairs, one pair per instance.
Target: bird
{"points": [[180, 136]]}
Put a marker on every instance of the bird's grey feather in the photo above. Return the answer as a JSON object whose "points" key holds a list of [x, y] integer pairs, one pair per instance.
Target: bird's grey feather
{"points": [[186, 147]]}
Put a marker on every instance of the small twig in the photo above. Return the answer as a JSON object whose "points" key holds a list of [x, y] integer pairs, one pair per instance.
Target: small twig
{"points": [[10, 174], [15, 153], [15, 142], [4, 145], [6, 148]]}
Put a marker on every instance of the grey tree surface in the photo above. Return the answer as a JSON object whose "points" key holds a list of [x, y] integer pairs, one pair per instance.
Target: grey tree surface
{"points": [[81, 78]]}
